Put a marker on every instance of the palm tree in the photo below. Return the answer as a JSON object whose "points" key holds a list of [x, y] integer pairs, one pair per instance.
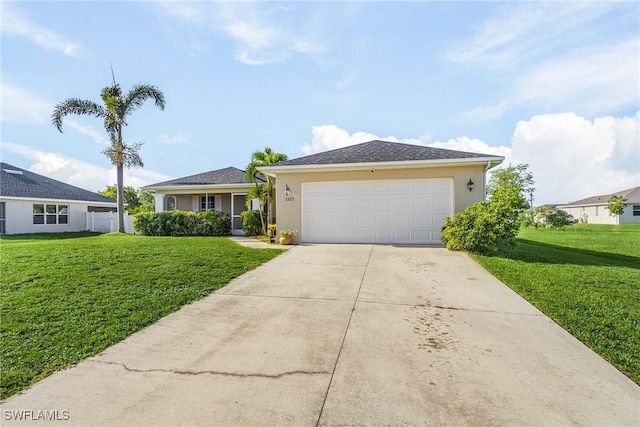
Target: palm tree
{"points": [[258, 192], [117, 106], [265, 158]]}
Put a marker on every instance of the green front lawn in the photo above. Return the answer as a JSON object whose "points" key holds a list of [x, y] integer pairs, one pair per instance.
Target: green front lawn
{"points": [[68, 296], [587, 279]]}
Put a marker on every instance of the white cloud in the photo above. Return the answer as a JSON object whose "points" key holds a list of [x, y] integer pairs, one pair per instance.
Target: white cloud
{"points": [[81, 174], [22, 106], [569, 156], [14, 24], [98, 136], [523, 30], [176, 139], [572, 157], [592, 81], [551, 57], [263, 33], [330, 137], [473, 145]]}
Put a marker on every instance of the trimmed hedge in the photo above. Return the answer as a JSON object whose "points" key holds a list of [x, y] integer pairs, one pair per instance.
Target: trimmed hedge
{"points": [[183, 223], [251, 224]]}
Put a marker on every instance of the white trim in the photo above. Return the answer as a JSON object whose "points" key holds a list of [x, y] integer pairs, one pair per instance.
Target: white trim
{"points": [[406, 164], [211, 188]]}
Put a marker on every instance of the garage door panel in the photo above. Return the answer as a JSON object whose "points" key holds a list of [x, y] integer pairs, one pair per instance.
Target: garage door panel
{"points": [[402, 202], [389, 211]]}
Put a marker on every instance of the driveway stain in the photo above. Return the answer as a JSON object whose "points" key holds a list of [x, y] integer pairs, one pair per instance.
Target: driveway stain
{"points": [[432, 328]]}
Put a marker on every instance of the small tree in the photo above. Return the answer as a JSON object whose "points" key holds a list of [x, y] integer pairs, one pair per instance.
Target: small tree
{"points": [[486, 226], [513, 186], [136, 200], [130, 196], [265, 158], [147, 202], [616, 205]]}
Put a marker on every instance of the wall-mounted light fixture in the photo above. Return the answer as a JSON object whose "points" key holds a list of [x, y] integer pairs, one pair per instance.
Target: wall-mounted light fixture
{"points": [[286, 190], [470, 185]]}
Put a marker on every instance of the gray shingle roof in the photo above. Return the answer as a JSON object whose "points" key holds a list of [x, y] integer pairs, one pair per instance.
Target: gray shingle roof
{"points": [[224, 176], [17, 182], [632, 195], [380, 151]]}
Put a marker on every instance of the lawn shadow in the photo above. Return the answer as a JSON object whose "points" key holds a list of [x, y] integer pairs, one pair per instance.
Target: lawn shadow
{"points": [[536, 252], [49, 236]]}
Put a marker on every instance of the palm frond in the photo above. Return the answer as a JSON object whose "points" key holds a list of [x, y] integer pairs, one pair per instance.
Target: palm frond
{"points": [[75, 106], [139, 94]]}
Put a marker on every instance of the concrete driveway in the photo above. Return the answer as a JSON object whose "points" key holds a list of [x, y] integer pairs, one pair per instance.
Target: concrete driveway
{"points": [[344, 335]]}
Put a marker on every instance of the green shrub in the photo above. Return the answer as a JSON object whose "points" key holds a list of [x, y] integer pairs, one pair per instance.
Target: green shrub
{"points": [[251, 224], [481, 228], [182, 223], [559, 218]]}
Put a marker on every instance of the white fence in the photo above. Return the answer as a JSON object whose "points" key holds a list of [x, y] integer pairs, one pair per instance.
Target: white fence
{"points": [[107, 222]]}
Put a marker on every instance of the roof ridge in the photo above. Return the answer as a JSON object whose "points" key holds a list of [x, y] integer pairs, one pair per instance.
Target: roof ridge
{"points": [[381, 151]]}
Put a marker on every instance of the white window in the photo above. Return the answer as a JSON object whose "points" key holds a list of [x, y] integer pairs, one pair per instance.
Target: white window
{"points": [[170, 203], [596, 211], [636, 210], [208, 203], [50, 214]]}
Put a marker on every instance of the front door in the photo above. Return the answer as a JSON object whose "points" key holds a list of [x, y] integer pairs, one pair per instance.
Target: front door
{"points": [[238, 205]]}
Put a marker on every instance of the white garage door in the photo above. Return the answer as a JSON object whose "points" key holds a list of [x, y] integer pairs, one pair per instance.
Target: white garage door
{"points": [[385, 211]]}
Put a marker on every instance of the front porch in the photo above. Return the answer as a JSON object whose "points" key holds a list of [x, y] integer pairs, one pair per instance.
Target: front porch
{"points": [[232, 204]]}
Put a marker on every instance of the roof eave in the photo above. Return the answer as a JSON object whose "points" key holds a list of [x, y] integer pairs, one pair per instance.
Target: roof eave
{"points": [[405, 164], [198, 187], [51, 199]]}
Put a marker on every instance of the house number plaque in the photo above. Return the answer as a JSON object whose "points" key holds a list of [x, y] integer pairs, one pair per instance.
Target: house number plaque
{"points": [[289, 199]]}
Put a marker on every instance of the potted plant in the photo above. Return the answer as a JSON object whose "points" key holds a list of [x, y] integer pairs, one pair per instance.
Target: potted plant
{"points": [[286, 236], [272, 232]]}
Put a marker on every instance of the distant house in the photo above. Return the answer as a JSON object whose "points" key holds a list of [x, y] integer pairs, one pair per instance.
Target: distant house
{"points": [[593, 209], [32, 203], [222, 190]]}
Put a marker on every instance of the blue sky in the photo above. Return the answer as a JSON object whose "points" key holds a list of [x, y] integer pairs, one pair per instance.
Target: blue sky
{"points": [[551, 84]]}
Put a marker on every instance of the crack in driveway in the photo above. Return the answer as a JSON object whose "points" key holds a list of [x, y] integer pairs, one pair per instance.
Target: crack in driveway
{"points": [[221, 373]]}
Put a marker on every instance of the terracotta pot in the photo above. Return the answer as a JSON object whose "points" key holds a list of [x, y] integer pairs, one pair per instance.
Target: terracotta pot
{"points": [[285, 240]]}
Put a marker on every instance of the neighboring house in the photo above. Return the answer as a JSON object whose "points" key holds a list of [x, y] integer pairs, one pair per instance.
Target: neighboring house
{"points": [[32, 203], [594, 209], [377, 192], [222, 190]]}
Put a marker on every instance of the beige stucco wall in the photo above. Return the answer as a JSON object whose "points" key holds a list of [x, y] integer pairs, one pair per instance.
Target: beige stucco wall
{"points": [[290, 211]]}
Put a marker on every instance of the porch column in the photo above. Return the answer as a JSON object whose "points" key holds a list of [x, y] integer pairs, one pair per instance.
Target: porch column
{"points": [[232, 212], [159, 202]]}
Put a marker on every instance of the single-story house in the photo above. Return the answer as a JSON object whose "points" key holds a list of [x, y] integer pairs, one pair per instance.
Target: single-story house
{"points": [[33, 203], [222, 190], [377, 192], [594, 209]]}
